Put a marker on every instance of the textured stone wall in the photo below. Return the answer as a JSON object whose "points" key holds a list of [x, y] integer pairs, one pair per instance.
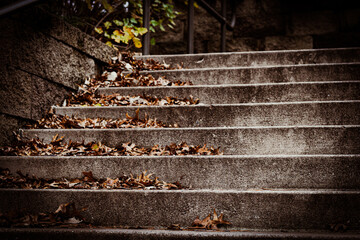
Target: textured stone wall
{"points": [[269, 25], [42, 61]]}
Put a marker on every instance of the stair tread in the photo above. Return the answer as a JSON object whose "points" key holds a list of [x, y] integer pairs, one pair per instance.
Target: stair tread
{"points": [[106, 233], [193, 128], [208, 105], [305, 208], [255, 52], [229, 85], [251, 67]]}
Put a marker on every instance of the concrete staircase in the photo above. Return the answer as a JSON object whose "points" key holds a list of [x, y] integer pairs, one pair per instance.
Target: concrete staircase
{"points": [[287, 121]]}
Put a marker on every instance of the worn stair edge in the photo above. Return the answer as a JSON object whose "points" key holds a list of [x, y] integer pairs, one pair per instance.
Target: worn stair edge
{"points": [[205, 172], [339, 139], [272, 92], [264, 74], [247, 114], [254, 209], [257, 58], [148, 234]]}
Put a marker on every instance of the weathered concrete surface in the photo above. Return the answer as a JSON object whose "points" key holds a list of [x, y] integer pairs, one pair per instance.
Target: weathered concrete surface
{"points": [[25, 48], [74, 37], [42, 61], [268, 74], [133, 234], [10, 124], [249, 93], [237, 59], [232, 140], [29, 96], [254, 209], [246, 114], [206, 172]]}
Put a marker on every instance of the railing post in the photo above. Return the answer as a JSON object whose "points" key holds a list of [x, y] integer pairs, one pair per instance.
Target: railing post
{"points": [[190, 46], [146, 22], [223, 26]]}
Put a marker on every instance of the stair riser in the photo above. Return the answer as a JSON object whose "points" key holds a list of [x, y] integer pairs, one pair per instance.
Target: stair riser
{"points": [[255, 93], [223, 172], [319, 113], [243, 141], [253, 209], [301, 73], [260, 58]]}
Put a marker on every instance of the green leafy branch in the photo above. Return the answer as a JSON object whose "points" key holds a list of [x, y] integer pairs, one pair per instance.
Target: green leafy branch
{"points": [[127, 30]]}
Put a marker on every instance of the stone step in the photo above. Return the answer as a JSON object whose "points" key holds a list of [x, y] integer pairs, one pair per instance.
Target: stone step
{"points": [[250, 209], [233, 59], [244, 93], [205, 172], [150, 234], [245, 114], [264, 74], [339, 139]]}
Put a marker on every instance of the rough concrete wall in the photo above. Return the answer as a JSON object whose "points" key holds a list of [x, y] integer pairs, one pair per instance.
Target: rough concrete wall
{"points": [[42, 61], [269, 25]]}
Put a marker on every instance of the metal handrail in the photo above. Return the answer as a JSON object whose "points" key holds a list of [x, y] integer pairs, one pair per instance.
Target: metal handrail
{"points": [[220, 17], [190, 39]]}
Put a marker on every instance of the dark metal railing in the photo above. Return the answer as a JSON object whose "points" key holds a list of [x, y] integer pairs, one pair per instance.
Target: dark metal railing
{"points": [[190, 39], [146, 21]]}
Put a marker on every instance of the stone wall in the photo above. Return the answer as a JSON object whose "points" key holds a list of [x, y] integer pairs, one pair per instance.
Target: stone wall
{"points": [[269, 25], [42, 61]]}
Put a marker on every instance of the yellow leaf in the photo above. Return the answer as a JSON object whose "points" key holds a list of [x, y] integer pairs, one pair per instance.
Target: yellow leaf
{"points": [[117, 33], [137, 42], [128, 31], [141, 30], [126, 38], [99, 30], [95, 147], [109, 44]]}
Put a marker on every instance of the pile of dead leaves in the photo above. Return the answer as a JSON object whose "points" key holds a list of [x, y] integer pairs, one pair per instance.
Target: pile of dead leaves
{"points": [[88, 181], [53, 121], [92, 99], [58, 147], [65, 216]]}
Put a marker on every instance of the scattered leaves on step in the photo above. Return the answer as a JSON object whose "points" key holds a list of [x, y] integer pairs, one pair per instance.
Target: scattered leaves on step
{"points": [[53, 121], [91, 99], [119, 63], [66, 215], [88, 181], [133, 79], [123, 71], [36, 147], [210, 223]]}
